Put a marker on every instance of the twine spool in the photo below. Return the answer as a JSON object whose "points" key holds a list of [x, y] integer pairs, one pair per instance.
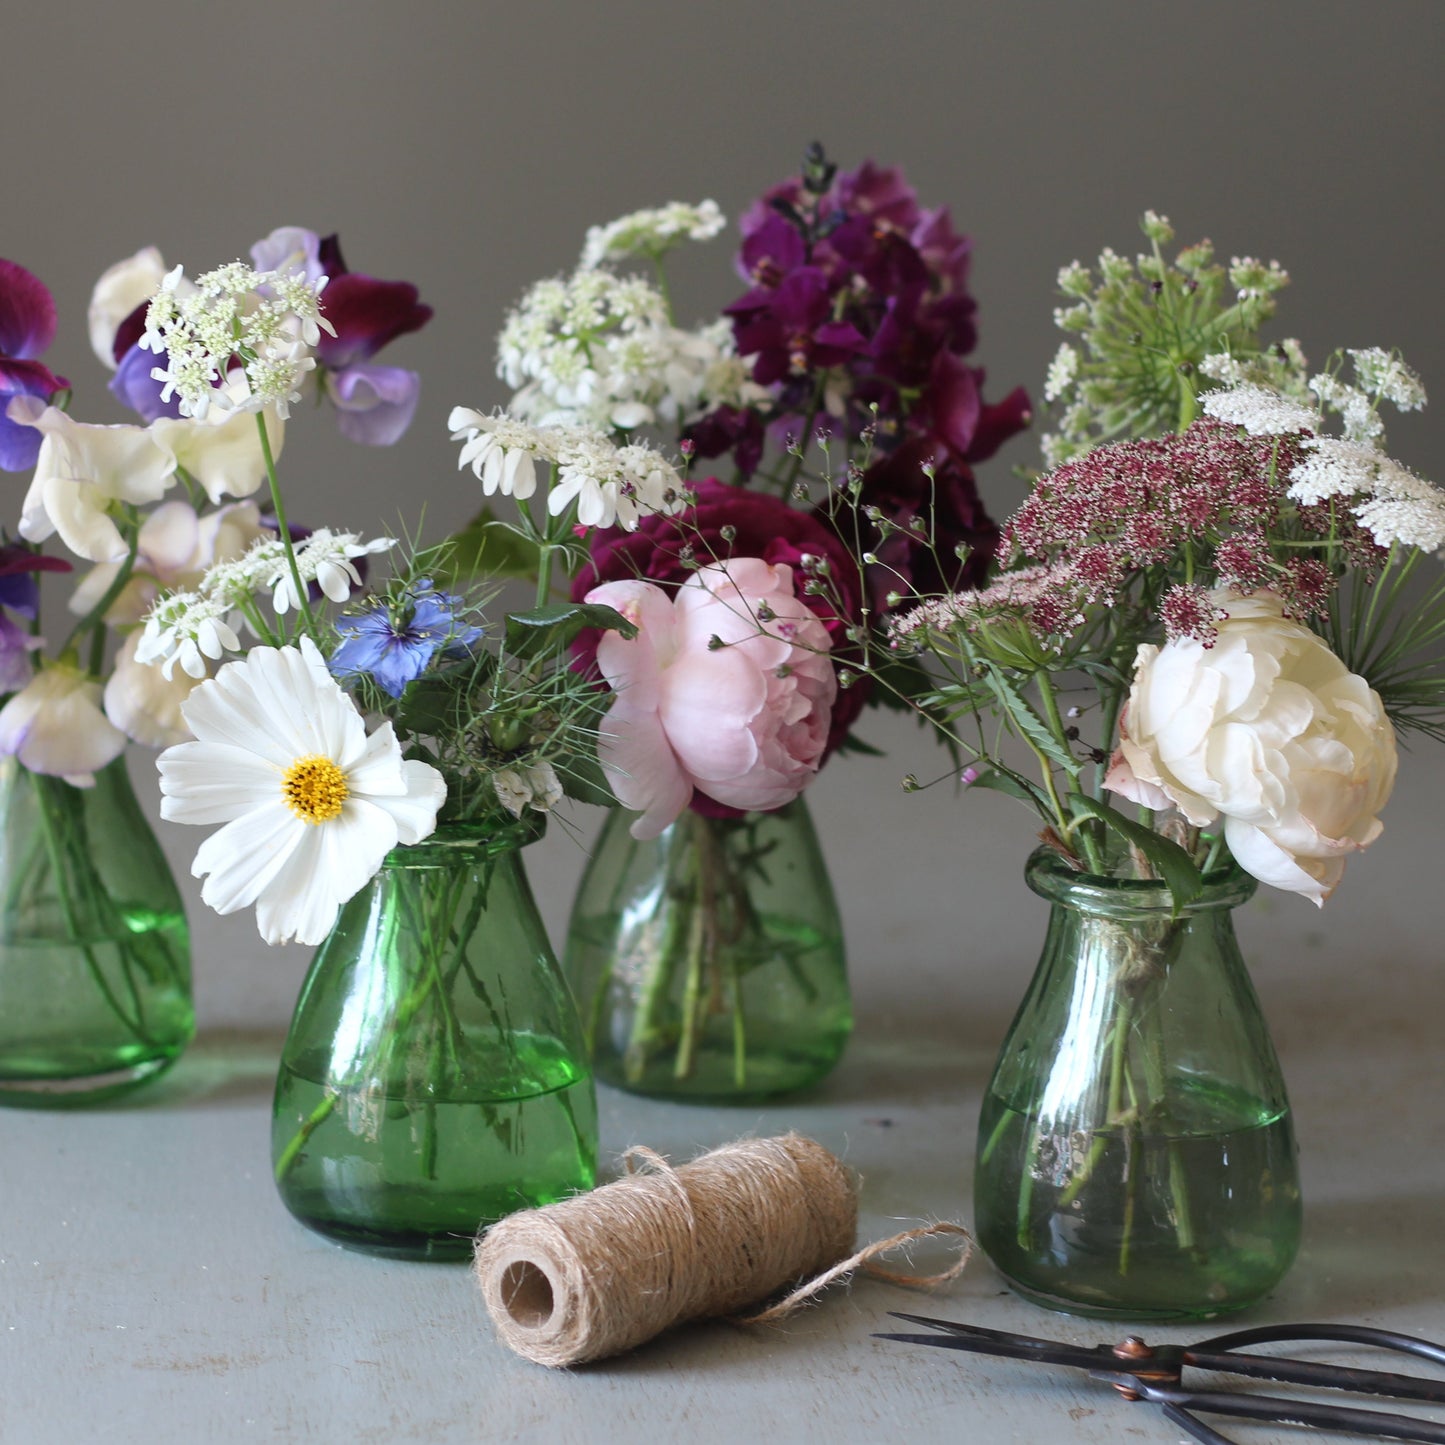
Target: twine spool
{"points": [[602, 1272]]}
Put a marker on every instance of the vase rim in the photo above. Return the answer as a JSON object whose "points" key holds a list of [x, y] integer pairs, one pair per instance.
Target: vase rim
{"points": [[1049, 875], [451, 841]]}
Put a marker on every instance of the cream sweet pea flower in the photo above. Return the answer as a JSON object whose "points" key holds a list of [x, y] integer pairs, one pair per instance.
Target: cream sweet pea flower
{"points": [[1268, 730], [54, 725], [118, 292], [310, 804], [82, 470]]}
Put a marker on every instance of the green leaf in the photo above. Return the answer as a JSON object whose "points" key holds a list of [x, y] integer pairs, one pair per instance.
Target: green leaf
{"points": [[549, 631], [485, 549], [1175, 866], [854, 744], [1028, 722], [999, 780]]}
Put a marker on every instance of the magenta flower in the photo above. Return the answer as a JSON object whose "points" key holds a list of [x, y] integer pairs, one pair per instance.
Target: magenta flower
{"points": [[27, 328]]}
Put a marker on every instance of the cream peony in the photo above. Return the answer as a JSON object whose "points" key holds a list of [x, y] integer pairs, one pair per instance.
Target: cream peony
{"points": [[1267, 729]]}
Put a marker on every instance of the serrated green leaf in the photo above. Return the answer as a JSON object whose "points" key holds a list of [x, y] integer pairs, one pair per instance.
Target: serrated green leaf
{"points": [[549, 631], [1178, 870], [483, 550], [1022, 715]]}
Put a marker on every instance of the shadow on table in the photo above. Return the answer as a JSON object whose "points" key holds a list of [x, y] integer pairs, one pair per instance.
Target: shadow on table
{"points": [[1362, 1256], [222, 1067]]}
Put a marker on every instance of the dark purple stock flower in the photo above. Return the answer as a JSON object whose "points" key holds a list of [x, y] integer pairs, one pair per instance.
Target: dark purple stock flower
{"points": [[27, 328], [863, 281]]}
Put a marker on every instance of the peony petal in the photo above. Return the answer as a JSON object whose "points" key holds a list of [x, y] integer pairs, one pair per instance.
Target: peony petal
{"points": [[641, 768]]}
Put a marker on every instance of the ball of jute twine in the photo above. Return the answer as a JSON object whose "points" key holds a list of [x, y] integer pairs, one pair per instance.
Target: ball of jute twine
{"points": [[600, 1273]]}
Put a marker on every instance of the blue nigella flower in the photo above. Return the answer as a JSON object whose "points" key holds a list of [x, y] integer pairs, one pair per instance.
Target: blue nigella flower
{"points": [[394, 643]]}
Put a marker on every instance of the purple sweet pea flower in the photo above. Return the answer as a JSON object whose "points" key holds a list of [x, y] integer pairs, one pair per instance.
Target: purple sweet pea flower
{"points": [[374, 404], [16, 645], [27, 328], [19, 589], [135, 387], [395, 643]]}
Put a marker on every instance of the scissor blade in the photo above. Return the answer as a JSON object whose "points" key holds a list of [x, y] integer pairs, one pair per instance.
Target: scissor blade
{"points": [[980, 1341]]}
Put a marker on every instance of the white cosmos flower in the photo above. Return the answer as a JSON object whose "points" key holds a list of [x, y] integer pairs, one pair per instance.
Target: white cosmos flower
{"points": [[54, 725], [310, 804]]}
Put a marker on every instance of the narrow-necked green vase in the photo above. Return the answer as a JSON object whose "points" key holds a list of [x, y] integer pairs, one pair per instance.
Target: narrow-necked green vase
{"points": [[434, 1078]]}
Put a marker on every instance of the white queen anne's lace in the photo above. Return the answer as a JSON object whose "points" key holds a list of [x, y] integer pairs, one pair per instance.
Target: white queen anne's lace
{"points": [[652, 232], [270, 319]]}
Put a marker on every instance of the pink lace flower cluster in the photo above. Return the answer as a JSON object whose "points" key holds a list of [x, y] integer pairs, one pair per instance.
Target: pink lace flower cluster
{"points": [[1211, 494]]}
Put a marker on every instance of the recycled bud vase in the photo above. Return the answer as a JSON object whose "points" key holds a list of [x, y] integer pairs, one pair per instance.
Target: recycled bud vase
{"points": [[1135, 1152], [434, 1077], [708, 962], [95, 969]]}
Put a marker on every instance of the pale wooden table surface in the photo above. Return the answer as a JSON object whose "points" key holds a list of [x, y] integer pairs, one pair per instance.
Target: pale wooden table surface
{"points": [[153, 1291]]}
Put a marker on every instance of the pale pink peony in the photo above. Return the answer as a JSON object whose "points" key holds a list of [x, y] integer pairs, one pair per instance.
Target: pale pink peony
{"points": [[745, 722]]}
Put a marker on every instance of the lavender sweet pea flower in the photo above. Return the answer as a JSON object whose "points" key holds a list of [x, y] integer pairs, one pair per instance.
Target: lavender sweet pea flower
{"points": [[374, 404], [394, 644], [27, 327], [16, 645], [133, 385]]}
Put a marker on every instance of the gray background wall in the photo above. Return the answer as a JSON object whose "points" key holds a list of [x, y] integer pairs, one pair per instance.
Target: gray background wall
{"points": [[467, 146]]}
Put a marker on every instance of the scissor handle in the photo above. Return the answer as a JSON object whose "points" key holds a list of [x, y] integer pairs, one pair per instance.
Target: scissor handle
{"points": [[1330, 1334]]}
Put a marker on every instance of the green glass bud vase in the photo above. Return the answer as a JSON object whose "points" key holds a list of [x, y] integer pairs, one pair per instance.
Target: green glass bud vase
{"points": [[1136, 1157], [708, 962], [95, 966], [434, 1078]]}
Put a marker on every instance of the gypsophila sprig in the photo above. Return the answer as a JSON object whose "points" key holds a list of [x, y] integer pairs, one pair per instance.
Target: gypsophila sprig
{"points": [[266, 320]]}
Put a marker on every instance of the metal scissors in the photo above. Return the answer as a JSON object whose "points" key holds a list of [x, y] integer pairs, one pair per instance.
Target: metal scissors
{"points": [[1140, 1371]]}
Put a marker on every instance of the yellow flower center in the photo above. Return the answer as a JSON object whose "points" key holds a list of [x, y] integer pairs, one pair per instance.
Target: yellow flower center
{"points": [[314, 789]]}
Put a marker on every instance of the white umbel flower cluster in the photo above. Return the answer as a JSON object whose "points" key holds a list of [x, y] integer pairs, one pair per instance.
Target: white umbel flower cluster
{"points": [[599, 350], [1260, 411], [611, 485], [1391, 502], [189, 627], [652, 233], [270, 319]]}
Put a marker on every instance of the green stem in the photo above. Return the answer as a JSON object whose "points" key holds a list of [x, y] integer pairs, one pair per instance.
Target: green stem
{"points": [[96, 616], [303, 600], [72, 923]]}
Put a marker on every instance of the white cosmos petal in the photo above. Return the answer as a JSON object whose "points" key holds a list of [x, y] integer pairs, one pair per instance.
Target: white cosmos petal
{"points": [[245, 856], [213, 782], [253, 722], [334, 861]]}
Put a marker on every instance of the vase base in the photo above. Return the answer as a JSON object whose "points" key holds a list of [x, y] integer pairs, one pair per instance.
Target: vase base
{"points": [[388, 1244], [78, 1090], [1103, 1310]]}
